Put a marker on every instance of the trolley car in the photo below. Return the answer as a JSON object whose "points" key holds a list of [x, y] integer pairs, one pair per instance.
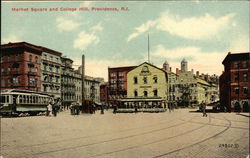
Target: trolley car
{"points": [[15, 102]]}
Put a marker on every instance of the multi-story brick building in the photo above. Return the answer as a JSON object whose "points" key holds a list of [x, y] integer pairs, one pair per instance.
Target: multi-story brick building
{"points": [[51, 72], [104, 93], [234, 82], [20, 66], [117, 78]]}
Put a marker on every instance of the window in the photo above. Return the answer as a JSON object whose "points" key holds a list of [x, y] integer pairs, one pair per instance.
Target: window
{"points": [[45, 57], [15, 81], [2, 59], [236, 91], [145, 93], [236, 76], [51, 58], [236, 64], [245, 90], [112, 74], [9, 83], [30, 58], [244, 64], [45, 67], [9, 58], [17, 58], [155, 92], [50, 68], [155, 79], [2, 82], [135, 80], [121, 74], [145, 81], [112, 81], [57, 60], [36, 60], [32, 82], [135, 93], [2, 70], [244, 76], [30, 68]]}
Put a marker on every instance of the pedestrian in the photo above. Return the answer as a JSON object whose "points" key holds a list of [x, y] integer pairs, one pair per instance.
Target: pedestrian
{"points": [[204, 109], [136, 108], [54, 110], [115, 109], [71, 109], [49, 107], [102, 109], [169, 107]]}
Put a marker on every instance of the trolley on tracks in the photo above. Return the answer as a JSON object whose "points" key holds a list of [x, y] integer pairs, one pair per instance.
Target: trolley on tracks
{"points": [[15, 102]]}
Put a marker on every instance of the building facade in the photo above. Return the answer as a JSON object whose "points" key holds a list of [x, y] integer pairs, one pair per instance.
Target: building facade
{"points": [[104, 93], [20, 66], [51, 72], [117, 78], [92, 89], [70, 83], [147, 86], [234, 82]]}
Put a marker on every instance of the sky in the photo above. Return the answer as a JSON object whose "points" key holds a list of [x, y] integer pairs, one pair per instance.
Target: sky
{"points": [[202, 32]]}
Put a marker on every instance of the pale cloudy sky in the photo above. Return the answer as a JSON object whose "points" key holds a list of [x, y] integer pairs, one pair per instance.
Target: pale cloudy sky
{"points": [[201, 32]]}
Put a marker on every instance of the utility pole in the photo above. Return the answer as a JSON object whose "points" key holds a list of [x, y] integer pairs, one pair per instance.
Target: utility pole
{"points": [[148, 50]]}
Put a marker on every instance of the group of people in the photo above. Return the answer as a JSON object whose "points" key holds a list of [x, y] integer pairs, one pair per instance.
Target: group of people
{"points": [[52, 110]]}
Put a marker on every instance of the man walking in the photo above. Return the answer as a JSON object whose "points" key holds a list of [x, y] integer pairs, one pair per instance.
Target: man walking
{"points": [[204, 109]]}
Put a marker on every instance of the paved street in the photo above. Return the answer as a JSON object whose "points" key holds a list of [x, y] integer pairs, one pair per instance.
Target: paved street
{"points": [[182, 133]]}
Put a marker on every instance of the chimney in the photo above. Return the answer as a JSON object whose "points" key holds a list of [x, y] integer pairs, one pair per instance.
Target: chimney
{"points": [[170, 69], [197, 73], [177, 71]]}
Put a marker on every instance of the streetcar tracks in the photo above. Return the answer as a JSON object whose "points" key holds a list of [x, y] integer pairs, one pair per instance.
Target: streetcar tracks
{"points": [[110, 140], [105, 133], [153, 142], [199, 142]]}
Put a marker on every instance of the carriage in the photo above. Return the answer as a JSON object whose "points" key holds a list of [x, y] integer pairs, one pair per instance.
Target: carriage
{"points": [[16, 102]]}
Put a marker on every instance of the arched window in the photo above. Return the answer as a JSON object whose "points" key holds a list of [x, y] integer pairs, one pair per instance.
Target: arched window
{"points": [[145, 93], [135, 93]]}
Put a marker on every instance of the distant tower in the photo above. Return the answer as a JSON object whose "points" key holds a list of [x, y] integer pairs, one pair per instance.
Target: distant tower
{"points": [[166, 66], [184, 66]]}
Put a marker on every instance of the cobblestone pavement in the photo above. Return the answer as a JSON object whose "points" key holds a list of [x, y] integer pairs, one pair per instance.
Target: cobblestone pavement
{"points": [[182, 133]]}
